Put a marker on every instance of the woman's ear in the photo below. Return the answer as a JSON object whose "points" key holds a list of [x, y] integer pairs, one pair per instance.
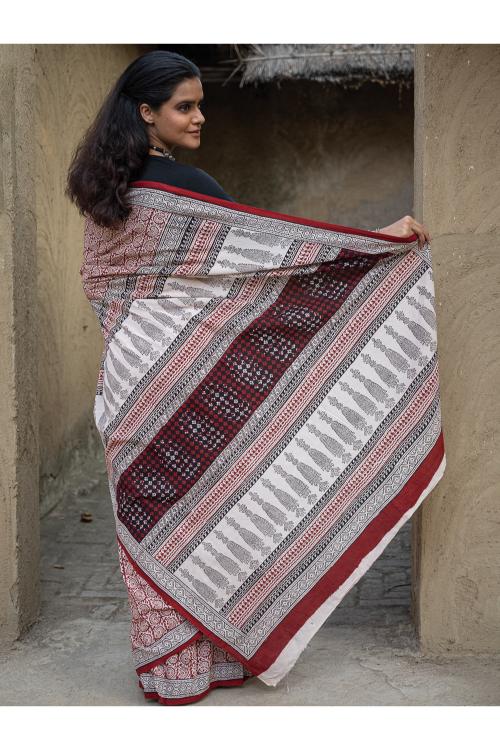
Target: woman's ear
{"points": [[146, 113]]}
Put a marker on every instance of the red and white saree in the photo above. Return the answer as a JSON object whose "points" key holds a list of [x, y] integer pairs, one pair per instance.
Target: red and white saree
{"points": [[268, 402]]}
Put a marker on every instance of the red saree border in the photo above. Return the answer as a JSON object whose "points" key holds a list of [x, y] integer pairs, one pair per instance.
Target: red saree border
{"points": [[255, 210], [352, 557], [194, 698], [332, 580]]}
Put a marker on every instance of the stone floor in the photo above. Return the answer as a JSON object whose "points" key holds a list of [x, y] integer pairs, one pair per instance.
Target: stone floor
{"points": [[78, 653]]}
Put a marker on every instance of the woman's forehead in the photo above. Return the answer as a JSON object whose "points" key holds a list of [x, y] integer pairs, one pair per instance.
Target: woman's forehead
{"points": [[188, 89]]}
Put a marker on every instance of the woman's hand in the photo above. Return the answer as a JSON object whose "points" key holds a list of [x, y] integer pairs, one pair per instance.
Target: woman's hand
{"points": [[405, 227]]}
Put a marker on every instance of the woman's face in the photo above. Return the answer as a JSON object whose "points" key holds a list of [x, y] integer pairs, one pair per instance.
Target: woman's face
{"points": [[179, 119]]}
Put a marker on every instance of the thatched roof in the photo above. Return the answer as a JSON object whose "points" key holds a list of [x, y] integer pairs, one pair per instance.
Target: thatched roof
{"points": [[349, 65]]}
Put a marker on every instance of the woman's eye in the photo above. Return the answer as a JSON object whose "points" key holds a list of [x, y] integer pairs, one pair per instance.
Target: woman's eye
{"points": [[185, 107]]}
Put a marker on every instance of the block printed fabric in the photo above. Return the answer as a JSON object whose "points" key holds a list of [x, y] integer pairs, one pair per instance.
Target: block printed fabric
{"points": [[268, 403]]}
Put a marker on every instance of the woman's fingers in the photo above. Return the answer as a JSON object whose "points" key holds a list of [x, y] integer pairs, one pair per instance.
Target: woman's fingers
{"points": [[426, 235], [421, 231], [421, 237]]}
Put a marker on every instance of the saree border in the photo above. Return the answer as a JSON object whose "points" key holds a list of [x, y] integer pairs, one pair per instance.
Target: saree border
{"points": [[257, 211]]}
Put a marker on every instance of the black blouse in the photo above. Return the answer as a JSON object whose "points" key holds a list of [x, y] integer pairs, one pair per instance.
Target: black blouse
{"points": [[162, 169]]}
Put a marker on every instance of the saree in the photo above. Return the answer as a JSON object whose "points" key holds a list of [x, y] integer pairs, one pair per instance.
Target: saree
{"points": [[268, 403]]}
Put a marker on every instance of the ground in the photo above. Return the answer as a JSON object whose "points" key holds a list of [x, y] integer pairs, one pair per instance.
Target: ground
{"points": [[79, 653]]}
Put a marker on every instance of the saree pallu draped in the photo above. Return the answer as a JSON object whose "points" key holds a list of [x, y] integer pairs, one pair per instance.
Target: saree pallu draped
{"points": [[268, 403]]}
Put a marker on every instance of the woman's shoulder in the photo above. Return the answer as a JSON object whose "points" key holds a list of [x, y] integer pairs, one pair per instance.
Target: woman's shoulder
{"points": [[181, 175], [207, 179], [204, 182]]}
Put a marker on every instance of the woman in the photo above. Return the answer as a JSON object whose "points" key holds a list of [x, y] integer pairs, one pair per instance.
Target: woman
{"points": [[155, 231], [154, 109]]}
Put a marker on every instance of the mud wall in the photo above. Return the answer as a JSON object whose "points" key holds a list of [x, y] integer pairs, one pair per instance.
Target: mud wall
{"points": [[19, 510], [457, 190]]}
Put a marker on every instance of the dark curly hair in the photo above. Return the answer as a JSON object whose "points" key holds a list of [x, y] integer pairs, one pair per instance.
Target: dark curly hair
{"points": [[115, 146]]}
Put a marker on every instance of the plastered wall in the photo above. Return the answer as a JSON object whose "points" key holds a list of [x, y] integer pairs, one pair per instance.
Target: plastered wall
{"points": [[457, 189], [19, 509]]}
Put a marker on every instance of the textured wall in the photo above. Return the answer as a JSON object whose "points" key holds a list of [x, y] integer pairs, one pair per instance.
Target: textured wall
{"points": [[72, 80], [19, 512], [457, 170]]}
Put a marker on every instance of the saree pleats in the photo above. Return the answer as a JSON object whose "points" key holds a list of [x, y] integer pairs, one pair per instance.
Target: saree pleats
{"points": [[175, 662]]}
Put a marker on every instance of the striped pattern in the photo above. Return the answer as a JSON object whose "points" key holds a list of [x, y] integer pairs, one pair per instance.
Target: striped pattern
{"points": [[268, 402]]}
